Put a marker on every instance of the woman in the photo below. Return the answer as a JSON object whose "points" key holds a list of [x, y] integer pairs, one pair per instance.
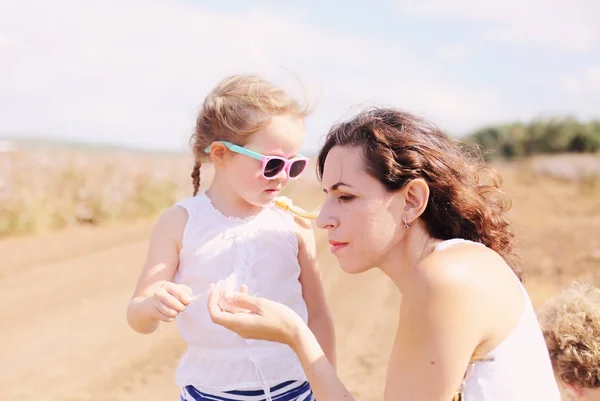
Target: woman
{"points": [[402, 196]]}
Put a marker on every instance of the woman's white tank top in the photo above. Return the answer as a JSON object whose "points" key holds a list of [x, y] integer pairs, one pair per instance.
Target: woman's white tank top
{"points": [[260, 251]]}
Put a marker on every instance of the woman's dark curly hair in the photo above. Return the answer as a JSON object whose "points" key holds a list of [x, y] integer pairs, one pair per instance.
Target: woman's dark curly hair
{"points": [[399, 147]]}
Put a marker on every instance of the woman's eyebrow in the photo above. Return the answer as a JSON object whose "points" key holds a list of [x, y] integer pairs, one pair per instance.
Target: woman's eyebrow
{"points": [[336, 186]]}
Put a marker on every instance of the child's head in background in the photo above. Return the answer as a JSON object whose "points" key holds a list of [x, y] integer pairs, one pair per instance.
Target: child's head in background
{"points": [[570, 322], [252, 131]]}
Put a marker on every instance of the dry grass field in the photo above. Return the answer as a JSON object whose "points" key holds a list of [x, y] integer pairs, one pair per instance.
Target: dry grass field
{"points": [[75, 226]]}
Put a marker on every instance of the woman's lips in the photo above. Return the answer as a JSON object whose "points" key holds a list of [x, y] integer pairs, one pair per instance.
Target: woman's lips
{"points": [[336, 246]]}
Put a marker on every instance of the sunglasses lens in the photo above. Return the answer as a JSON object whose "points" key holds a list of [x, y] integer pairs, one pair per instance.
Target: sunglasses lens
{"points": [[273, 167], [297, 168]]}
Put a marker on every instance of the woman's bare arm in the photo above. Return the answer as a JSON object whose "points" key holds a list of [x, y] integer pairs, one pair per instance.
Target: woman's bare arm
{"points": [[438, 332]]}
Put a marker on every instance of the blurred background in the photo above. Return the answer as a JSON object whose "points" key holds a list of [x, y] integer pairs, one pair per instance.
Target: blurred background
{"points": [[98, 101]]}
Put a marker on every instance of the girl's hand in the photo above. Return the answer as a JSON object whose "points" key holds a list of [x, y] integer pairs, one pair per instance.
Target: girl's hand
{"points": [[255, 318], [169, 300]]}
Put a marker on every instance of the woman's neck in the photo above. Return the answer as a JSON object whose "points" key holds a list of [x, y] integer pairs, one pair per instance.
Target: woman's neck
{"points": [[227, 201], [405, 256]]}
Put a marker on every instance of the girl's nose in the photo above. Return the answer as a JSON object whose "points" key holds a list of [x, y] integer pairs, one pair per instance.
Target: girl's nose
{"points": [[282, 175]]}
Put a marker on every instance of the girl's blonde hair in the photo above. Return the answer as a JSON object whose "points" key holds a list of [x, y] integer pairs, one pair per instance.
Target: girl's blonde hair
{"points": [[570, 322], [236, 108]]}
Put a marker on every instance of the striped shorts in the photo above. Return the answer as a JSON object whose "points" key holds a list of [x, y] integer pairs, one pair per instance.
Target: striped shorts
{"points": [[287, 391]]}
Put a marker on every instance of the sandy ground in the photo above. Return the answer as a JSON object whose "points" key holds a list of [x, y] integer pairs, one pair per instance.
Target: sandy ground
{"points": [[63, 334]]}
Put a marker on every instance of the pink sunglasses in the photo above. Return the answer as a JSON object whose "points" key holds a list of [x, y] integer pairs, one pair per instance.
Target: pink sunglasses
{"points": [[271, 165]]}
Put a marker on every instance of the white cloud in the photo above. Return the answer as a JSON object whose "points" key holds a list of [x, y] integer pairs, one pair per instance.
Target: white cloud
{"points": [[564, 24]]}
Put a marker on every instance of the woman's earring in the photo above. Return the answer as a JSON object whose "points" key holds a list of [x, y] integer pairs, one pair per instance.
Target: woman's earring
{"points": [[406, 224]]}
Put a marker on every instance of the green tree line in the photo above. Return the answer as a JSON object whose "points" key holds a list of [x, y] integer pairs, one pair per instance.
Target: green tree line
{"points": [[541, 136]]}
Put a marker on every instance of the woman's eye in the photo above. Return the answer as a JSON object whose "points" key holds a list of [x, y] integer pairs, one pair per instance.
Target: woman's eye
{"points": [[346, 198]]}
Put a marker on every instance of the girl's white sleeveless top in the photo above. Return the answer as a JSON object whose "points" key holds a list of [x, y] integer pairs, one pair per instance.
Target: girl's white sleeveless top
{"points": [[521, 369], [260, 251]]}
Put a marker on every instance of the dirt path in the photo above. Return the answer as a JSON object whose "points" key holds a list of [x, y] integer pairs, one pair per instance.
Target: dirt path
{"points": [[64, 335]]}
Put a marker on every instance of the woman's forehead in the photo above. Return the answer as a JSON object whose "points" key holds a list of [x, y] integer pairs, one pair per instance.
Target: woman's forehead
{"points": [[341, 164]]}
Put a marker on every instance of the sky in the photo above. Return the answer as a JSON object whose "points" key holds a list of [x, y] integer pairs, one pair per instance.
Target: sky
{"points": [[135, 72]]}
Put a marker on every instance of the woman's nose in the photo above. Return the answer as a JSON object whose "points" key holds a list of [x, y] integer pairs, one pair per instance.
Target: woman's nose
{"points": [[325, 220]]}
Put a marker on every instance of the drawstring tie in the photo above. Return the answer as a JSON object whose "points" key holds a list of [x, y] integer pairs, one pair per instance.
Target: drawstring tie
{"points": [[266, 387]]}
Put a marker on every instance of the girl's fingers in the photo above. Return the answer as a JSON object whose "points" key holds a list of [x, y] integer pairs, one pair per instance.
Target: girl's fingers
{"points": [[217, 315], [165, 313], [182, 293], [244, 289], [173, 303]]}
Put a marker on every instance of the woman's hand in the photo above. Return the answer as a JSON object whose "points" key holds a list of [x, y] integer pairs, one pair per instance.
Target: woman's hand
{"points": [[263, 319], [255, 318]]}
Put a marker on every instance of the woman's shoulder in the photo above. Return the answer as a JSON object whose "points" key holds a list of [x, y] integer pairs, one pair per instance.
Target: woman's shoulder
{"points": [[452, 262], [465, 273], [476, 280], [457, 261]]}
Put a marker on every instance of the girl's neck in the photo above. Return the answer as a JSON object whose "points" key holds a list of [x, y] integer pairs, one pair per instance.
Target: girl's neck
{"points": [[226, 200]]}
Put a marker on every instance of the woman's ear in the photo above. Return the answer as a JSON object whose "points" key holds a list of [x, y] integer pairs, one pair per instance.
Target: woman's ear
{"points": [[416, 195]]}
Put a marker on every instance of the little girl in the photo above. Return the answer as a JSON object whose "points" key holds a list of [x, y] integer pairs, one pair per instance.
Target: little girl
{"points": [[234, 234]]}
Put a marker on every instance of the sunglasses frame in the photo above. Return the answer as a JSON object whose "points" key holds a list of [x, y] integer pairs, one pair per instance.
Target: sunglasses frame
{"points": [[287, 163]]}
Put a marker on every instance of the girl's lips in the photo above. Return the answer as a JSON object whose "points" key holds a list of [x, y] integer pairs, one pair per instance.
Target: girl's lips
{"points": [[336, 246]]}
